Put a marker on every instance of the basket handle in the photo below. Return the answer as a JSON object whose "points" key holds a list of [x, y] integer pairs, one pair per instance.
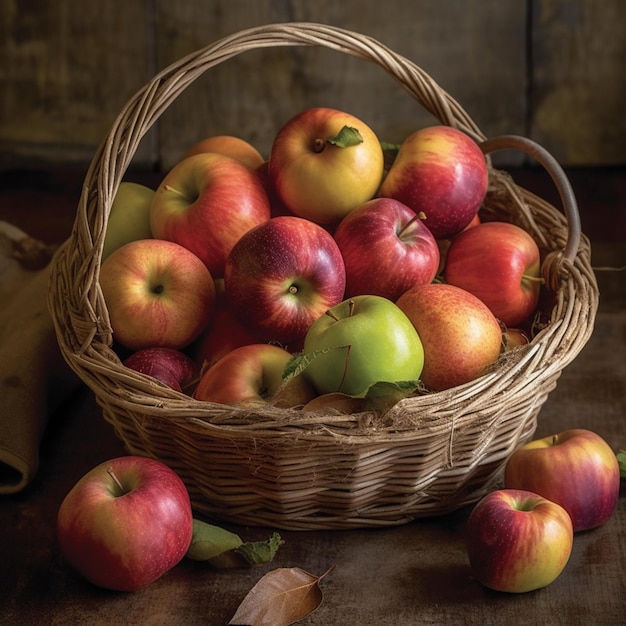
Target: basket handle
{"points": [[558, 176]]}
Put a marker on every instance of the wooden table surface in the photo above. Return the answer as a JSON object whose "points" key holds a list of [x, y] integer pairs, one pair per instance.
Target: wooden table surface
{"points": [[413, 574]]}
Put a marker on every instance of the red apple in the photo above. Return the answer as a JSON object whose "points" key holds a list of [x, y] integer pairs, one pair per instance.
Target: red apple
{"points": [[125, 523], [500, 264], [281, 276], [444, 244], [253, 375], [513, 338], [228, 145], [172, 367], [575, 468], [460, 335], [318, 173], [518, 541], [441, 172], [386, 249], [205, 203], [157, 294]]}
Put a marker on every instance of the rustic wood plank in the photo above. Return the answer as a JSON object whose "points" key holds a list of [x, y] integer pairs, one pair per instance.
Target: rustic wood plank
{"points": [[66, 69], [479, 58], [579, 81]]}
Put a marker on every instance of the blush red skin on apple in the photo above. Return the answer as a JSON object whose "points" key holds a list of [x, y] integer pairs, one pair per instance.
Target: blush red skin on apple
{"points": [[283, 252], [518, 550], [581, 473], [170, 366], [221, 200], [126, 542], [440, 172], [495, 261], [384, 252]]}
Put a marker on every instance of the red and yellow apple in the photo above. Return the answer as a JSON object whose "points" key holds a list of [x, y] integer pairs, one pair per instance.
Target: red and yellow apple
{"points": [[125, 523], [460, 335], [518, 541], [575, 468], [253, 375], [359, 342], [129, 218], [386, 249], [439, 172], [157, 293], [324, 163], [206, 203], [281, 276], [228, 145], [500, 264]]}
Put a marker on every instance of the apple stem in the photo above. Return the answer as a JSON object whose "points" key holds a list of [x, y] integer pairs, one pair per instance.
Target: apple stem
{"points": [[116, 480], [555, 440], [351, 307], [331, 314], [319, 145], [411, 221], [180, 193]]}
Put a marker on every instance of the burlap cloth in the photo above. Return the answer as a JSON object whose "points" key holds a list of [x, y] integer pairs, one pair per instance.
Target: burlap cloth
{"points": [[34, 378]]}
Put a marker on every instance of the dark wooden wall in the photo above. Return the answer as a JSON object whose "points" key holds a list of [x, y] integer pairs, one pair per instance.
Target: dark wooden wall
{"points": [[550, 69]]}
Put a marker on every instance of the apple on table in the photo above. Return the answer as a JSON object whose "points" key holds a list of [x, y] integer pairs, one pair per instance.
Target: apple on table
{"points": [[439, 172], [499, 263], [252, 375], [281, 276], [575, 468], [206, 203], [460, 335], [157, 293], [386, 249], [518, 541], [359, 342], [125, 523], [325, 162]]}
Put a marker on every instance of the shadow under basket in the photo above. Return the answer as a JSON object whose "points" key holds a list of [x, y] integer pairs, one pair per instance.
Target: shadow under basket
{"points": [[426, 456]]}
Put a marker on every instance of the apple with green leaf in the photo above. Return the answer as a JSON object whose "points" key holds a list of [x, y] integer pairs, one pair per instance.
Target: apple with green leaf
{"points": [[252, 375], [325, 162]]}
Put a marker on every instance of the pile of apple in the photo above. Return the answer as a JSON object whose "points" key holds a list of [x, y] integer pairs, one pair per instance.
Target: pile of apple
{"points": [[366, 269]]}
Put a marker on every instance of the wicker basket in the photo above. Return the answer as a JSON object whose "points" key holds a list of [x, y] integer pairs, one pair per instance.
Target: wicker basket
{"points": [[426, 456]]}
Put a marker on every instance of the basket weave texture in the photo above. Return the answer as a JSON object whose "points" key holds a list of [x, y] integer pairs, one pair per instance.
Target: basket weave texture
{"points": [[426, 456]]}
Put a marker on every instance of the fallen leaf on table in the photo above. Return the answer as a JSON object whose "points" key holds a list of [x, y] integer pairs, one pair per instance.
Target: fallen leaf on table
{"points": [[621, 459], [224, 549], [281, 597]]}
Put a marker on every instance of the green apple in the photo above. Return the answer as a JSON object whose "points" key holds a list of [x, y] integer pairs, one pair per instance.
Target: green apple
{"points": [[359, 342], [129, 219]]}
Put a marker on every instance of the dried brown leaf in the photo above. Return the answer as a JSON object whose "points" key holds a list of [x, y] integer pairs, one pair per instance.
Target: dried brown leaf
{"points": [[281, 597]]}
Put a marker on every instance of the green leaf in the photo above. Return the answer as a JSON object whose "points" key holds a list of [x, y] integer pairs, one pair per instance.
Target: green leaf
{"points": [[621, 459], [299, 362], [259, 552], [382, 396], [224, 549], [346, 137], [209, 541]]}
